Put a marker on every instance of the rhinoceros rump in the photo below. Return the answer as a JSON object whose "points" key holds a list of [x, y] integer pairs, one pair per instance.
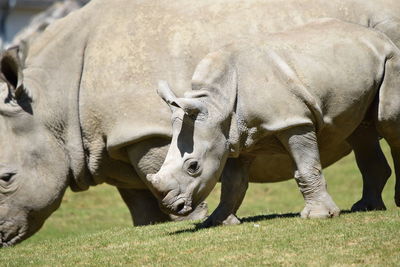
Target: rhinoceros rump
{"points": [[86, 112], [296, 93]]}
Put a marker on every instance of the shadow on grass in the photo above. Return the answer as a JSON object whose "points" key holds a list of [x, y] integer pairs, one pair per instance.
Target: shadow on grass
{"points": [[199, 226], [276, 216], [257, 218]]}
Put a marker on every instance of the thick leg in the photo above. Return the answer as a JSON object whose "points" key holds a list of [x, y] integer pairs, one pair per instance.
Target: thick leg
{"points": [[234, 183], [388, 119], [396, 161], [391, 132], [143, 207], [373, 166], [301, 143]]}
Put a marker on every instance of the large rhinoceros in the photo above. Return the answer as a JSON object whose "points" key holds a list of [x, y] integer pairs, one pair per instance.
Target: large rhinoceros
{"points": [[83, 110], [297, 93]]}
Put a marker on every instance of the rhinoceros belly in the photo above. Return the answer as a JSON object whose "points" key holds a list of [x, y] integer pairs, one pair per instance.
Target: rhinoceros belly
{"points": [[276, 167]]}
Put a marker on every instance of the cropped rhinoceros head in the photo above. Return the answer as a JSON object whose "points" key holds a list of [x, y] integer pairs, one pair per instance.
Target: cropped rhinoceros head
{"points": [[199, 146], [33, 165]]}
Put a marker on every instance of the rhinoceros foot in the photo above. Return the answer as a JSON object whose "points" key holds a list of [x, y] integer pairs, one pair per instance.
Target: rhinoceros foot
{"points": [[215, 220], [321, 207], [367, 204]]}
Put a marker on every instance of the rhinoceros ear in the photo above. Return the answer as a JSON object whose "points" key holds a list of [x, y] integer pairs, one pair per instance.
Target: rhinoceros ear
{"points": [[190, 105], [167, 95], [11, 71]]}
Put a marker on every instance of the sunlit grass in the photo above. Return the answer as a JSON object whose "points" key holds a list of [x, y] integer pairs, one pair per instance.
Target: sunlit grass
{"points": [[94, 228]]}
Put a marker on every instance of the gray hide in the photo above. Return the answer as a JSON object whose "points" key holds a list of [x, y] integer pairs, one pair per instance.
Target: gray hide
{"points": [[297, 93], [88, 96]]}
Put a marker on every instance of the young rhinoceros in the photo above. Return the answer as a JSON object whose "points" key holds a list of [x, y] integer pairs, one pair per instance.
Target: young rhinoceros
{"points": [[300, 92]]}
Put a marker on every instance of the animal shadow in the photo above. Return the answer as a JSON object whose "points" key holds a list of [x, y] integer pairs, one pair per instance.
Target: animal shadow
{"points": [[199, 226], [257, 218], [277, 216]]}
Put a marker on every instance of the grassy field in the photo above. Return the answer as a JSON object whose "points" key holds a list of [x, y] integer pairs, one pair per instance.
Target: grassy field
{"points": [[94, 228]]}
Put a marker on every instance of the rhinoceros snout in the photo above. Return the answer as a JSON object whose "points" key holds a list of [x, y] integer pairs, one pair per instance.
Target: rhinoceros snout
{"points": [[163, 186], [12, 233], [8, 238], [176, 203], [167, 190], [180, 207], [159, 189]]}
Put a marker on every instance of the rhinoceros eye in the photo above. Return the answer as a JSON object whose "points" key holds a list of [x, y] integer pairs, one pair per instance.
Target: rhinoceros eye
{"points": [[192, 167], [7, 177]]}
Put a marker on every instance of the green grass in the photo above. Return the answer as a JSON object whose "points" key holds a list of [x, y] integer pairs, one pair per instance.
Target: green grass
{"points": [[94, 228]]}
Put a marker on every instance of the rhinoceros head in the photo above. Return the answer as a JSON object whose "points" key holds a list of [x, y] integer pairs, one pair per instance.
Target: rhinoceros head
{"points": [[33, 165], [199, 146]]}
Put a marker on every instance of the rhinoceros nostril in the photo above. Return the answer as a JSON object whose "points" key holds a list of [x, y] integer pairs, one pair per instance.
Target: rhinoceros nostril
{"points": [[180, 206]]}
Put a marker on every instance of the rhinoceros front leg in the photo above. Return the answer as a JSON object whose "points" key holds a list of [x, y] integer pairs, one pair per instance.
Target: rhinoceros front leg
{"points": [[373, 166], [301, 143], [234, 183], [143, 206]]}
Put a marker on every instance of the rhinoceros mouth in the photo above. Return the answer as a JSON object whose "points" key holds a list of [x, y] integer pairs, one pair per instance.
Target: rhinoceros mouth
{"points": [[180, 206], [12, 240], [8, 239]]}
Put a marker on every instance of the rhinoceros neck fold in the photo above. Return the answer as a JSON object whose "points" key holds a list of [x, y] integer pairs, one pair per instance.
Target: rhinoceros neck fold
{"points": [[55, 65]]}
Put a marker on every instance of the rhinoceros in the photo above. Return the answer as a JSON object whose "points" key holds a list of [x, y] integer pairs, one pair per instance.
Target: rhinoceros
{"points": [[297, 93], [82, 110]]}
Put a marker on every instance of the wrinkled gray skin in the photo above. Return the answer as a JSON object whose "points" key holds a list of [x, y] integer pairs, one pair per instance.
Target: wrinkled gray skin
{"points": [[86, 112], [296, 93]]}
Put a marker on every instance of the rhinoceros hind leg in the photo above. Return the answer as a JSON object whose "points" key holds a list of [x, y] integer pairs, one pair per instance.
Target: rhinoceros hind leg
{"points": [[373, 166], [143, 207], [394, 143], [396, 161], [388, 119], [301, 143], [234, 183]]}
